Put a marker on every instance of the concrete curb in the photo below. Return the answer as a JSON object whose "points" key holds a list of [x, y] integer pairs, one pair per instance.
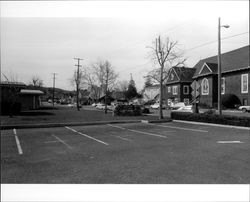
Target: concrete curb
{"points": [[156, 121], [52, 125], [212, 124]]}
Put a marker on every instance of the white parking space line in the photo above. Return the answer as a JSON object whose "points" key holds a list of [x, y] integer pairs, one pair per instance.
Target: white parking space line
{"points": [[86, 136], [54, 141], [19, 148], [229, 142], [152, 134], [138, 131], [122, 138], [116, 126], [63, 142], [181, 128]]}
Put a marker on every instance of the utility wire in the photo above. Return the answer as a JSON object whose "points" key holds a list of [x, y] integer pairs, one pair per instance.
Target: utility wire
{"points": [[142, 41], [205, 44], [190, 49]]}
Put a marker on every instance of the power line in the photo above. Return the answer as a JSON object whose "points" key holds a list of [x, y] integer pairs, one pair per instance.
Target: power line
{"points": [[141, 41], [190, 49], [208, 43]]}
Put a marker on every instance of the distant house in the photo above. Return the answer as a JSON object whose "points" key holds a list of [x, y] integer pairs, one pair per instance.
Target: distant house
{"points": [[178, 84], [151, 92], [234, 81], [119, 96], [84, 97], [16, 97], [30, 99], [10, 99], [109, 99]]}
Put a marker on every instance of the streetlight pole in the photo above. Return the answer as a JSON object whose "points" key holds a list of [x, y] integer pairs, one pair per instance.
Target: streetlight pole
{"points": [[219, 64]]}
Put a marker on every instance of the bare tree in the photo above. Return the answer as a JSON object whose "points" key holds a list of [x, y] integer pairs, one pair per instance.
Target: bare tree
{"points": [[123, 85], [36, 81], [167, 55], [105, 76]]}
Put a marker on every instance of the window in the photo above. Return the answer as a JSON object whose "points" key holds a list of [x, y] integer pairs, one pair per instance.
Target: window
{"points": [[204, 87], [244, 83], [172, 77], [186, 90], [175, 90], [223, 86], [169, 89]]}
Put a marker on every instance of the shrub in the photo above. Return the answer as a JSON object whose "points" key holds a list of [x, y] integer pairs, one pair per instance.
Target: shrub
{"points": [[212, 118], [210, 111], [127, 110], [145, 110], [230, 100]]}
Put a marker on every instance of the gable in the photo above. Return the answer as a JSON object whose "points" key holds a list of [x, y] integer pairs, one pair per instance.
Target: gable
{"points": [[172, 76], [231, 61], [205, 69]]}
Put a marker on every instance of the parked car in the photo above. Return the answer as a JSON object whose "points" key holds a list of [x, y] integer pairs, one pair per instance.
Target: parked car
{"points": [[93, 105], [74, 105], [177, 105], [244, 108], [100, 106], [188, 108], [155, 106]]}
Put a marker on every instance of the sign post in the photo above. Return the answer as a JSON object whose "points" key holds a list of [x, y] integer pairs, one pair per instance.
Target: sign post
{"points": [[195, 93]]}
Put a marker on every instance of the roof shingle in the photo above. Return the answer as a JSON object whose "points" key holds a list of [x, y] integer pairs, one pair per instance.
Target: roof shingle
{"points": [[230, 61]]}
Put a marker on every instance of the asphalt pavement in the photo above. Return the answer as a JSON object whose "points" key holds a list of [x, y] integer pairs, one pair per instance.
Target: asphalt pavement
{"points": [[141, 153]]}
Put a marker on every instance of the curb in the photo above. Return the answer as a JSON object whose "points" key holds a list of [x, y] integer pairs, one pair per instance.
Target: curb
{"points": [[52, 125], [157, 121], [213, 124]]}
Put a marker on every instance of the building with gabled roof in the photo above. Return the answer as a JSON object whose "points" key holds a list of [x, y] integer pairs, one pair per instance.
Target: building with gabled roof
{"points": [[235, 77], [178, 84], [152, 93]]}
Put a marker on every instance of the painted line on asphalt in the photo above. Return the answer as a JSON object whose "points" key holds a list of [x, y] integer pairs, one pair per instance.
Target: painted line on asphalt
{"points": [[54, 141], [86, 135], [19, 148], [138, 131], [181, 128], [116, 126], [63, 142], [122, 138], [151, 134], [229, 142]]}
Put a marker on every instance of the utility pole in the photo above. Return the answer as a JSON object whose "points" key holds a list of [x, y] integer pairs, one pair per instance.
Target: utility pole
{"points": [[54, 78], [219, 65], [77, 82]]}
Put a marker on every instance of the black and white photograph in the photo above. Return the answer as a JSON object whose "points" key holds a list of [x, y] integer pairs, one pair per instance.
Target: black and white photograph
{"points": [[121, 101]]}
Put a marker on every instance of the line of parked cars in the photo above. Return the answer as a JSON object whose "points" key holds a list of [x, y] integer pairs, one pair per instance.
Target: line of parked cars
{"points": [[102, 106]]}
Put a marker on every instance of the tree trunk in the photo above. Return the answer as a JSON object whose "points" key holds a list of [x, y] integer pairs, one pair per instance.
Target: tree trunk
{"points": [[160, 97]]}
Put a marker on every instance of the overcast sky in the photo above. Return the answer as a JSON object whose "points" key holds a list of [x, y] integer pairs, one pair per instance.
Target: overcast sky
{"points": [[40, 38]]}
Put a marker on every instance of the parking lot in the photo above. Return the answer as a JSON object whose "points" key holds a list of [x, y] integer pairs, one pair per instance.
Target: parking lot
{"points": [[173, 152]]}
